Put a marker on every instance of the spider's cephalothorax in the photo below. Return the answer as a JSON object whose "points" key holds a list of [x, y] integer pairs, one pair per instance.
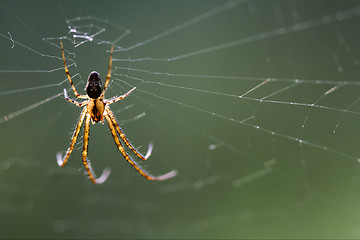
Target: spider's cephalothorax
{"points": [[96, 108], [94, 85]]}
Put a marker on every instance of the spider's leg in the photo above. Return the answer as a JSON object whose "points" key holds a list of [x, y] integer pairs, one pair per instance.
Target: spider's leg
{"points": [[106, 172], [68, 74], [127, 157], [115, 99], [73, 101], [109, 72], [62, 161], [123, 137]]}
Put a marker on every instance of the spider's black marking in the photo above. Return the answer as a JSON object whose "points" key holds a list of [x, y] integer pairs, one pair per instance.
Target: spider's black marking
{"points": [[95, 110], [94, 85], [96, 113]]}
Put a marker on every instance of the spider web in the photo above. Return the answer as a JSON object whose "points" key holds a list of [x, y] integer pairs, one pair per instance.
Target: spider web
{"points": [[255, 103]]}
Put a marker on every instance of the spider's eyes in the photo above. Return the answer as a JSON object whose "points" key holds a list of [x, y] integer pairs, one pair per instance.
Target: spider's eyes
{"points": [[94, 85]]}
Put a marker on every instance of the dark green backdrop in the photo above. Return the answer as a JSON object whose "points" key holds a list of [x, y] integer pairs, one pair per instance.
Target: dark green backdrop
{"points": [[279, 162]]}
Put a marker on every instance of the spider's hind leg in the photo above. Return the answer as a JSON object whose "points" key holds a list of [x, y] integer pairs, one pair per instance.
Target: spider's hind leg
{"points": [[68, 74]]}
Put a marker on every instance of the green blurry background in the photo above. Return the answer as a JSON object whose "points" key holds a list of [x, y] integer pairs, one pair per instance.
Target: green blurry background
{"points": [[234, 180]]}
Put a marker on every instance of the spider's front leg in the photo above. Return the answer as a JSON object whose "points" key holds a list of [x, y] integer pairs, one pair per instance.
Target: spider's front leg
{"points": [[127, 157], [106, 172], [62, 161], [123, 137]]}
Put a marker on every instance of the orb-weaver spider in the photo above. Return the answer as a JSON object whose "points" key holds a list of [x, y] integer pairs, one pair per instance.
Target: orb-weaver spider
{"points": [[96, 107]]}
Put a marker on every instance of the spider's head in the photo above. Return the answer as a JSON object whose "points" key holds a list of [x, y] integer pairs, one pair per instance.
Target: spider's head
{"points": [[94, 85]]}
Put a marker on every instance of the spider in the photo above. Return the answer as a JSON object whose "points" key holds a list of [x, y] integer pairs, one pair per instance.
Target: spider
{"points": [[95, 108]]}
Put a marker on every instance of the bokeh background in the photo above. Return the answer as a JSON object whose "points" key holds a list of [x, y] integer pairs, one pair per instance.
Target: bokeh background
{"points": [[280, 162]]}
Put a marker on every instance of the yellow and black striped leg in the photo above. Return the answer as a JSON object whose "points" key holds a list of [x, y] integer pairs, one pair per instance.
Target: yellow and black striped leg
{"points": [[62, 161], [73, 101], [68, 75], [115, 99], [106, 172], [109, 72], [123, 137], [127, 157]]}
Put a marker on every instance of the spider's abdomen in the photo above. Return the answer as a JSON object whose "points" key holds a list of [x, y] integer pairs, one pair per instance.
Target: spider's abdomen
{"points": [[94, 85], [96, 109]]}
